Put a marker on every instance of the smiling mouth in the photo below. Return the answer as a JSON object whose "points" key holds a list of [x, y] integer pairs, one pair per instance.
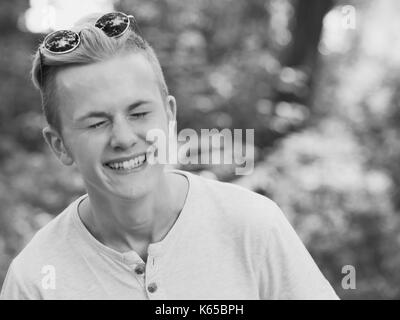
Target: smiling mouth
{"points": [[127, 165]]}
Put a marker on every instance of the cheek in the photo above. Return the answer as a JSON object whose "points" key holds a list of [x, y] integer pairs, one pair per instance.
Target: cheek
{"points": [[87, 151], [158, 122], [163, 121]]}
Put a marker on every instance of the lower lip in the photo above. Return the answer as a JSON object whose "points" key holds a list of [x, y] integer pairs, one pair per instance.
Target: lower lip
{"points": [[127, 171]]}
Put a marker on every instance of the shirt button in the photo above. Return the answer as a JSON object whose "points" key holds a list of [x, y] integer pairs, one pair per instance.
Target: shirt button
{"points": [[140, 269], [152, 287]]}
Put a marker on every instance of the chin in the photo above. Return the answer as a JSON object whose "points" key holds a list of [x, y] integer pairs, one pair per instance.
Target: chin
{"points": [[137, 186]]}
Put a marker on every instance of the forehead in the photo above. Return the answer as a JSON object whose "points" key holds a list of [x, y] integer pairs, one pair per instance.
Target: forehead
{"points": [[107, 84]]}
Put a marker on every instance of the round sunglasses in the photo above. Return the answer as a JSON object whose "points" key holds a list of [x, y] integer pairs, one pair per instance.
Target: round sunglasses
{"points": [[113, 24]]}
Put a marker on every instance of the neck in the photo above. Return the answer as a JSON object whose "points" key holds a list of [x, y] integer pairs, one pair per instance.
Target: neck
{"points": [[126, 224]]}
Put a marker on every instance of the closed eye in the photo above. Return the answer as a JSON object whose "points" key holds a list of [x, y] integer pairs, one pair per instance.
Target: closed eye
{"points": [[138, 115], [97, 125]]}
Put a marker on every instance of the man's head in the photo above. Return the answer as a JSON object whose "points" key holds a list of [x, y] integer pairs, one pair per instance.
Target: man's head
{"points": [[100, 101], [95, 46]]}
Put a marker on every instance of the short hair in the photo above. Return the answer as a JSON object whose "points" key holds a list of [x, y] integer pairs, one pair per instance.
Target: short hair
{"points": [[95, 46]]}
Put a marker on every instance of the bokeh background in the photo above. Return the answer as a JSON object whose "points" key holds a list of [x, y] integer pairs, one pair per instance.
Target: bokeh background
{"points": [[318, 80]]}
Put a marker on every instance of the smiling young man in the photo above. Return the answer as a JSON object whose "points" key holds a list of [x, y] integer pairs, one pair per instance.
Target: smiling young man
{"points": [[141, 231]]}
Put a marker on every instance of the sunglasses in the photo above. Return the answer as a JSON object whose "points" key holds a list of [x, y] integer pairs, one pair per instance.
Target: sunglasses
{"points": [[113, 24]]}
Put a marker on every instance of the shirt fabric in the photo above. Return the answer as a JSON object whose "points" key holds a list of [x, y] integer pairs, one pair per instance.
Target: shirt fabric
{"points": [[227, 243]]}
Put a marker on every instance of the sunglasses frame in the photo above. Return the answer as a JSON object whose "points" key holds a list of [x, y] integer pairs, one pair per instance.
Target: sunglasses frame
{"points": [[62, 52], [78, 34]]}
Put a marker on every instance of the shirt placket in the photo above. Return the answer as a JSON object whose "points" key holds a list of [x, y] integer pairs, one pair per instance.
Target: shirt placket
{"points": [[152, 279]]}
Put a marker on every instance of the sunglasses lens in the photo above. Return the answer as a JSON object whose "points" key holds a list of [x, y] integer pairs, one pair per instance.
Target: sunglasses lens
{"points": [[61, 41], [113, 24]]}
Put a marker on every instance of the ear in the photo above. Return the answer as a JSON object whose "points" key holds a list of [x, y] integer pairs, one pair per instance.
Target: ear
{"points": [[56, 144], [171, 108]]}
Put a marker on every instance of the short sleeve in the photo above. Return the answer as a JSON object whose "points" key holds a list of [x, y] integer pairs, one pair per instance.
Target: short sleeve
{"points": [[288, 270], [14, 287]]}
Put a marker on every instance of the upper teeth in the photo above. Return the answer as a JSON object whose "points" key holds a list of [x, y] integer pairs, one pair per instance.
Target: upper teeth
{"points": [[128, 164]]}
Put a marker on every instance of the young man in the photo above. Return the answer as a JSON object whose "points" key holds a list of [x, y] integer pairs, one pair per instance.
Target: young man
{"points": [[142, 232]]}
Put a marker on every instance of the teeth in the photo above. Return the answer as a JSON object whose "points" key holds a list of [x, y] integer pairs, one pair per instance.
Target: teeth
{"points": [[128, 165]]}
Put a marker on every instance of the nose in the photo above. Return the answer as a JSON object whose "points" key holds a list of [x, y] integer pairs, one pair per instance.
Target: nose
{"points": [[123, 135]]}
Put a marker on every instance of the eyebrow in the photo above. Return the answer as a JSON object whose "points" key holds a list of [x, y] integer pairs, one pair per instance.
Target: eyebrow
{"points": [[104, 114]]}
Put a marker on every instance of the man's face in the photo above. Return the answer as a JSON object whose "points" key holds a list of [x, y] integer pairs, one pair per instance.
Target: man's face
{"points": [[106, 110]]}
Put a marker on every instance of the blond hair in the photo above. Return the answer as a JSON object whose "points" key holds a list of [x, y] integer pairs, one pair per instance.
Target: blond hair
{"points": [[95, 46]]}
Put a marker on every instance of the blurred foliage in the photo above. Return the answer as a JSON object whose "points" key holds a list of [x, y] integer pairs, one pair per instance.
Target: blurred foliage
{"points": [[325, 125]]}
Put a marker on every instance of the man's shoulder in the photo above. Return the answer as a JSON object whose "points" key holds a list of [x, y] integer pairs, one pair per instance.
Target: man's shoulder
{"points": [[48, 244], [238, 204], [233, 195]]}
